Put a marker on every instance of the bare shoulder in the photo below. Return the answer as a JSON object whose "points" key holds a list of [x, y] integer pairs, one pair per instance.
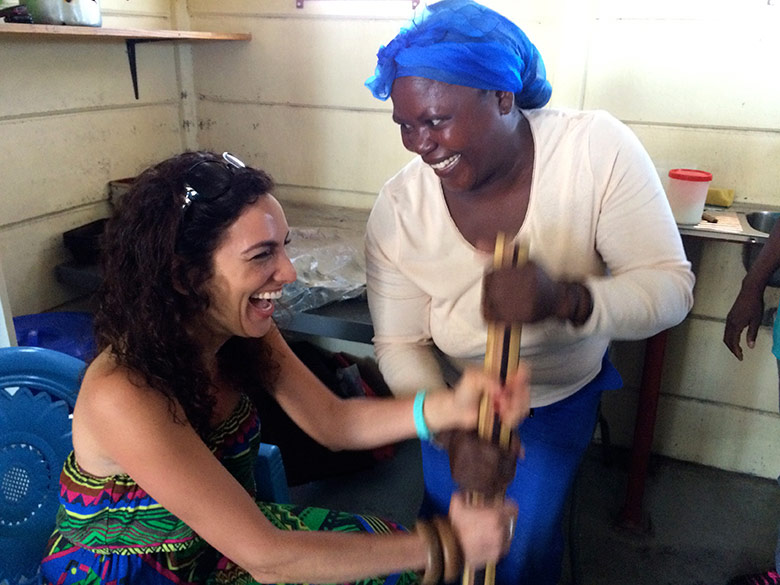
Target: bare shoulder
{"points": [[109, 391], [113, 407]]}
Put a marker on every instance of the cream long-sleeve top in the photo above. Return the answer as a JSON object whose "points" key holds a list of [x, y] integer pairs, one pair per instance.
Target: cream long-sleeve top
{"points": [[597, 213]]}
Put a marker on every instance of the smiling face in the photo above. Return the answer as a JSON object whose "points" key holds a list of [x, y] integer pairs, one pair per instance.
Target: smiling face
{"points": [[459, 131], [250, 268]]}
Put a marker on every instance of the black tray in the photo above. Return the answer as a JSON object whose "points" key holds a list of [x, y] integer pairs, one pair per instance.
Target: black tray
{"points": [[84, 241]]}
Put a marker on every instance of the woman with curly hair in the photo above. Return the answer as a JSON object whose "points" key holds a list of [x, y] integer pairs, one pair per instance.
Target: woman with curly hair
{"points": [[159, 487]]}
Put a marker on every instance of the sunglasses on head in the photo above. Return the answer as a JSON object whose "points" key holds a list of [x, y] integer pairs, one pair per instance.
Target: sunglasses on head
{"points": [[209, 179]]}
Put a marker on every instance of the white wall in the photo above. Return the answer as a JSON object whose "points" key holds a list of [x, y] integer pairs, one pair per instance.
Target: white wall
{"points": [[696, 80]]}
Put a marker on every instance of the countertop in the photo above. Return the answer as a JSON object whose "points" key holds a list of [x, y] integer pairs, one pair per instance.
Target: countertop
{"points": [[731, 225], [330, 216]]}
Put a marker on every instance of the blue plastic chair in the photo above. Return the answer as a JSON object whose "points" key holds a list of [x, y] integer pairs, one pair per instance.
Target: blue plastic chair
{"points": [[38, 389], [42, 369], [270, 477]]}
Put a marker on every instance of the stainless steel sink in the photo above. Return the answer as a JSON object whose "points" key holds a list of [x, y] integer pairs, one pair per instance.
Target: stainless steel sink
{"points": [[763, 221]]}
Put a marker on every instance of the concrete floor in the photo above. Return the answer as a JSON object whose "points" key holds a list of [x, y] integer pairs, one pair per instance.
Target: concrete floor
{"points": [[706, 525]]}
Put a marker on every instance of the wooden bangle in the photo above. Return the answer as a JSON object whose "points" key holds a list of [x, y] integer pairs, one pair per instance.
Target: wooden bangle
{"points": [[434, 564], [577, 304], [584, 306], [566, 302], [451, 552]]}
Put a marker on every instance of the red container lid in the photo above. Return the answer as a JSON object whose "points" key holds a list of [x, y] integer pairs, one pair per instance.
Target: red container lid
{"points": [[690, 175]]}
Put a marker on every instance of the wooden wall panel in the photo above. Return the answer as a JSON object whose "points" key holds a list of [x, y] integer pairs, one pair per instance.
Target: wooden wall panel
{"points": [[315, 148], [686, 72], [77, 154], [708, 433]]}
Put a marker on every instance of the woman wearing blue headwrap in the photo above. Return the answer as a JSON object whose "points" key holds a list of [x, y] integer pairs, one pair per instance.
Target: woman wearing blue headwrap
{"points": [[606, 261]]}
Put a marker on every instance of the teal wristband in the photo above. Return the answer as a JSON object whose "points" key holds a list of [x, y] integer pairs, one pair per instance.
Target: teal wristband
{"points": [[423, 433]]}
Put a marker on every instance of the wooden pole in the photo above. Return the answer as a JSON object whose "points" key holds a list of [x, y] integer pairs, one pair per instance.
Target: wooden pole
{"points": [[502, 355]]}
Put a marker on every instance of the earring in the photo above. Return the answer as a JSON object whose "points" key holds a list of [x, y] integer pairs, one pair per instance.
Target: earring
{"points": [[504, 107]]}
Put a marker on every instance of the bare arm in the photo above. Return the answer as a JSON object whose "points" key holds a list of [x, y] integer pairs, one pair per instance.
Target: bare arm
{"points": [[748, 307], [367, 423]]}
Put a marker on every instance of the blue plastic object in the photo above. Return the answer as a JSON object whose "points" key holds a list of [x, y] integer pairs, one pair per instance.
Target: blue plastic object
{"points": [[38, 389], [270, 477], [68, 332], [42, 369]]}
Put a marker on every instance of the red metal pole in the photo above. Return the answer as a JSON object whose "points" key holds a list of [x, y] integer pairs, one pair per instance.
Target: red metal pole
{"points": [[631, 516]]}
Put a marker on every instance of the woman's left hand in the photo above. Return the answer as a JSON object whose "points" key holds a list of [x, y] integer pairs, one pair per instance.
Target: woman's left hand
{"points": [[479, 465]]}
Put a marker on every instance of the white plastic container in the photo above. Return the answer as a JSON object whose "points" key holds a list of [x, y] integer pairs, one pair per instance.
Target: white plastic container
{"points": [[74, 12], [687, 192]]}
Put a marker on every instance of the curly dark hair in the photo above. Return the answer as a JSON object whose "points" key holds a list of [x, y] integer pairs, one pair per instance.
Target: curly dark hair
{"points": [[156, 261]]}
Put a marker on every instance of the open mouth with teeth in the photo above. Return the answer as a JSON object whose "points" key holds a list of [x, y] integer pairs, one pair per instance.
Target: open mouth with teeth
{"points": [[265, 300], [446, 164]]}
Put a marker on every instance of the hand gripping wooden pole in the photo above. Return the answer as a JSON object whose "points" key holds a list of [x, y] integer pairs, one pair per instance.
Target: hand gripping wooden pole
{"points": [[502, 356]]}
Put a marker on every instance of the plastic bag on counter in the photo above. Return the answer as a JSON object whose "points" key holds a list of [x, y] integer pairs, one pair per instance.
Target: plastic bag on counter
{"points": [[330, 264]]}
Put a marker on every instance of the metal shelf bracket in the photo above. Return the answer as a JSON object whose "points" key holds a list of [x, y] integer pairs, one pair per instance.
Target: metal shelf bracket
{"points": [[130, 44]]}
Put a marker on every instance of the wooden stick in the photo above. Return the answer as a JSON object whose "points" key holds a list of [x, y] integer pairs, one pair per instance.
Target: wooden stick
{"points": [[502, 355]]}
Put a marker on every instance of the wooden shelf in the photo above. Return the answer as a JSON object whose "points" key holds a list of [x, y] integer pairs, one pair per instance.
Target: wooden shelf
{"points": [[131, 37], [93, 32]]}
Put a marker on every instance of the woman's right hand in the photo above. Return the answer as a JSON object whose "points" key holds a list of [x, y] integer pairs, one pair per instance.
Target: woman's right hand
{"points": [[484, 531], [528, 294], [520, 294]]}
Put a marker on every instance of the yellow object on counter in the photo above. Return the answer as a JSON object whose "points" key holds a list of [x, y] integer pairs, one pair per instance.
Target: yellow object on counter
{"points": [[720, 196]]}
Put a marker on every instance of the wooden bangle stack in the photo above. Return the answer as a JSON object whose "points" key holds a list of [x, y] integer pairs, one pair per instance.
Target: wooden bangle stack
{"points": [[434, 565], [451, 553], [445, 558]]}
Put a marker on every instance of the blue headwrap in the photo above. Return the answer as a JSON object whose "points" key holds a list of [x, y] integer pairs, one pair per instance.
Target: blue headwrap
{"points": [[464, 43]]}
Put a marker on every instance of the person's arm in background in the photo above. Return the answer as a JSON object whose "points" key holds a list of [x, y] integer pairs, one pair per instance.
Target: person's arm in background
{"points": [[399, 312], [748, 308]]}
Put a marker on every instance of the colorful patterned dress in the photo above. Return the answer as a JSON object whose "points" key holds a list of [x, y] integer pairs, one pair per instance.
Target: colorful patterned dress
{"points": [[109, 530]]}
